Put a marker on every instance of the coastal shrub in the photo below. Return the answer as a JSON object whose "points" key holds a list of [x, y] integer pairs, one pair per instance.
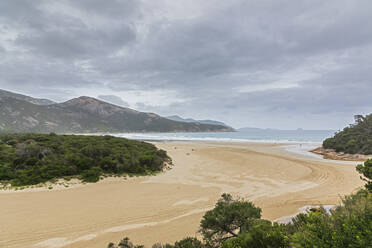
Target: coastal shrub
{"points": [[27, 159], [228, 218], [91, 175], [111, 245], [349, 225], [366, 171], [262, 234]]}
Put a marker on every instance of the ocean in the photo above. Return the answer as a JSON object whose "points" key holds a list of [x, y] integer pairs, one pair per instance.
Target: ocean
{"points": [[252, 135]]}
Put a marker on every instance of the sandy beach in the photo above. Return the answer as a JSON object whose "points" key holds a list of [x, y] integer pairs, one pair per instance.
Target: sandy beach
{"points": [[169, 206]]}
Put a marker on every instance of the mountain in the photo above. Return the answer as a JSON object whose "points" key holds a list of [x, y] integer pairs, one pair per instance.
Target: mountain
{"points": [[86, 115], [190, 120], [37, 101]]}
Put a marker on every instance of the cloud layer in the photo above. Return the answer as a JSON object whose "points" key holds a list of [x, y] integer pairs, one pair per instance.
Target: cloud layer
{"points": [[283, 64]]}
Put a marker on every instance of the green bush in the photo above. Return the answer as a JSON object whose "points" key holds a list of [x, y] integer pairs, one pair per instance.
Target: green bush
{"points": [[349, 225], [263, 234], [366, 171], [92, 175], [27, 159]]}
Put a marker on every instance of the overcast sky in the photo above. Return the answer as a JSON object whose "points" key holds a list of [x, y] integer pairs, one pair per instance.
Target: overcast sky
{"points": [[278, 64]]}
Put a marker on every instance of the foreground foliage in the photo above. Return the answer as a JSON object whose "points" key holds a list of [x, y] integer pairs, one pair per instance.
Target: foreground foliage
{"points": [[366, 171], [262, 234], [354, 139], [349, 225], [235, 223], [229, 218], [27, 159]]}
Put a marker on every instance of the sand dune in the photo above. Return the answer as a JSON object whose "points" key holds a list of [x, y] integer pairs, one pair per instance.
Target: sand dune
{"points": [[169, 206]]}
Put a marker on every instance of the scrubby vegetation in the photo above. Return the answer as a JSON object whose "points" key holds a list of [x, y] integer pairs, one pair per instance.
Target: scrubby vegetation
{"points": [[366, 171], [27, 159], [236, 223], [354, 139]]}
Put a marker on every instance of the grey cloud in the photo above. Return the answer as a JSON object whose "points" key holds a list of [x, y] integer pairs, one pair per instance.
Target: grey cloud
{"points": [[19, 10], [322, 47], [63, 43], [60, 35], [114, 8], [184, 54], [37, 76]]}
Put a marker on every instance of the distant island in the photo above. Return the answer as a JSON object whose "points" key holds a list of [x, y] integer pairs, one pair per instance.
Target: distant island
{"points": [[21, 114], [28, 159], [352, 143]]}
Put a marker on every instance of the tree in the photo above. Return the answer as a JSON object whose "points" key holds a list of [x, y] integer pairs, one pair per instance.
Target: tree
{"points": [[229, 218], [263, 234], [366, 170]]}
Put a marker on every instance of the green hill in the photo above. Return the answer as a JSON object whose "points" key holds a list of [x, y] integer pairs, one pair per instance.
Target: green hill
{"points": [[356, 138], [27, 159]]}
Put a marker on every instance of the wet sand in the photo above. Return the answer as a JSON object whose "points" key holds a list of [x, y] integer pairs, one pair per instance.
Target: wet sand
{"points": [[169, 206]]}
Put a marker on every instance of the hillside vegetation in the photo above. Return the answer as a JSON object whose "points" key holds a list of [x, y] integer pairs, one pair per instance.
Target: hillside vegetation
{"points": [[27, 159], [237, 223], [354, 139]]}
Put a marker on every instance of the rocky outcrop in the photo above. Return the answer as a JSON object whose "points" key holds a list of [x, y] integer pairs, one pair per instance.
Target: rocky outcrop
{"points": [[332, 154]]}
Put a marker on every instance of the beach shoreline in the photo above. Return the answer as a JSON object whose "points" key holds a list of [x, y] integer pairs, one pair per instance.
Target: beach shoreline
{"points": [[169, 206], [331, 154]]}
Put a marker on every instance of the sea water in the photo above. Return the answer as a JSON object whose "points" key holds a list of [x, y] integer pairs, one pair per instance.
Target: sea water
{"points": [[253, 135]]}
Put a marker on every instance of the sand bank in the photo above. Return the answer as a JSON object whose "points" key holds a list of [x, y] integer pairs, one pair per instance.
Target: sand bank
{"points": [[169, 206]]}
